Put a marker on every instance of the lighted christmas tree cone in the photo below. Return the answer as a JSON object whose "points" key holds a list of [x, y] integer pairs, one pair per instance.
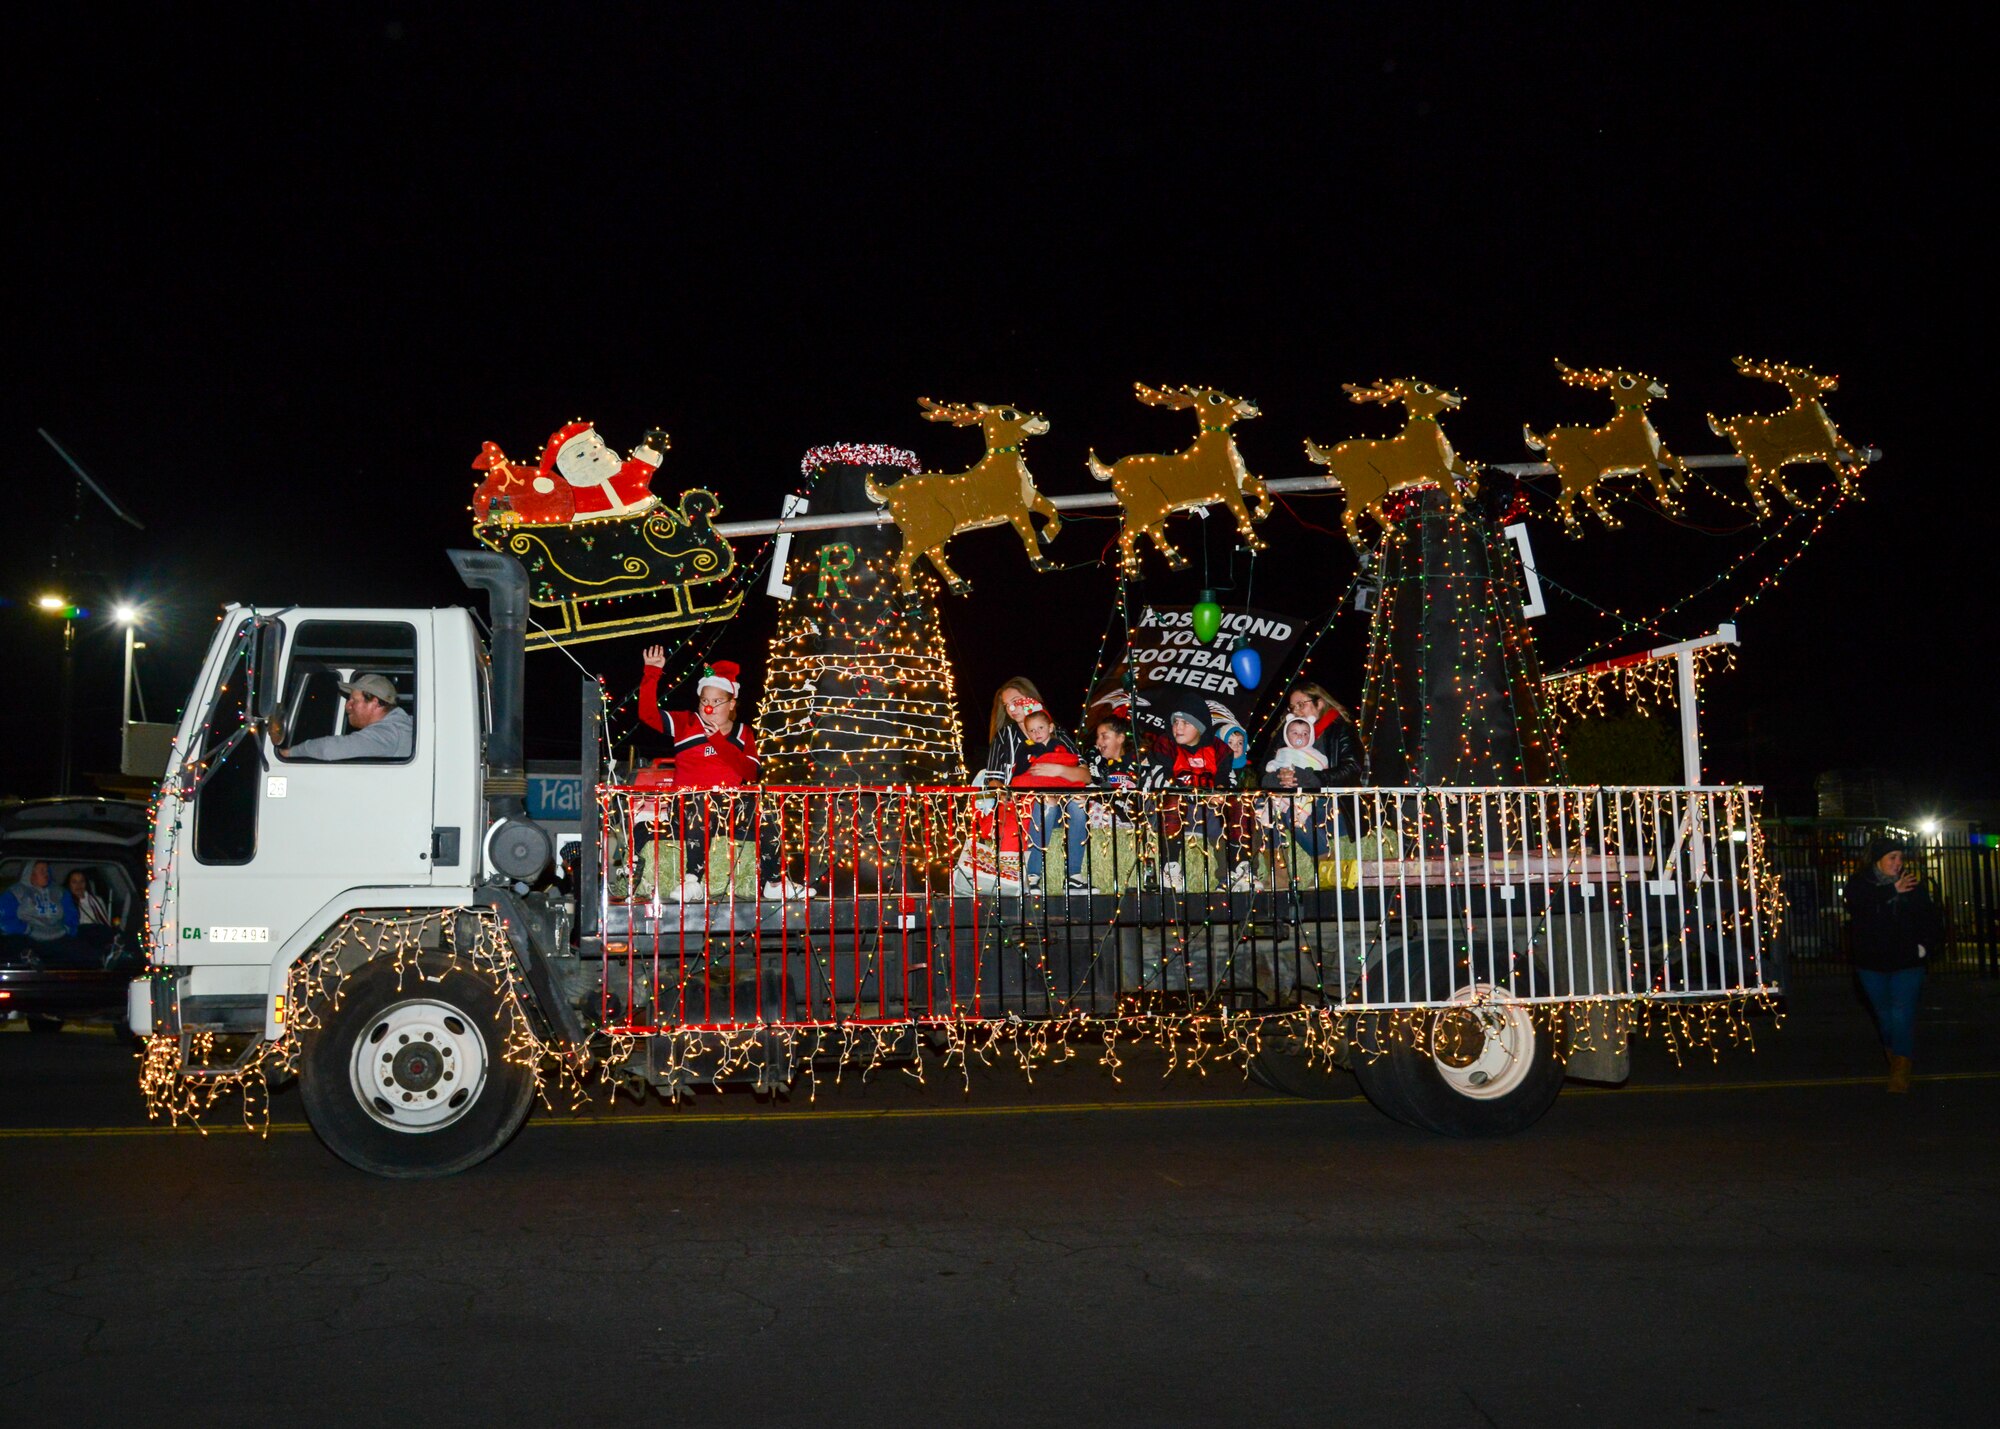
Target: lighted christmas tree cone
{"points": [[858, 692], [1453, 684]]}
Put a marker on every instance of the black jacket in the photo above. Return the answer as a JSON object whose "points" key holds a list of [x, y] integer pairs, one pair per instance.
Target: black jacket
{"points": [[1130, 773], [1889, 926], [1341, 744]]}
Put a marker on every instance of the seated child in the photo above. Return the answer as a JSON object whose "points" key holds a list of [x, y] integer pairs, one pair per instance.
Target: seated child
{"points": [[1047, 746], [1044, 745]]}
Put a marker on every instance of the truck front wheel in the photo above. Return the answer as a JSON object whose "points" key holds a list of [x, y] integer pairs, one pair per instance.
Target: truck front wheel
{"points": [[407, 1077], [1484, 1066]]}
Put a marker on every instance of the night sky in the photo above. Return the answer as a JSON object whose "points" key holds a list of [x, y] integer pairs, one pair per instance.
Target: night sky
{"points": [[286, 268]]}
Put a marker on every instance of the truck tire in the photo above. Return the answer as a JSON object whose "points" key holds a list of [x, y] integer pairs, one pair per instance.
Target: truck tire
{"points": [[1281, 1065], [406, 1077], [1485, 1067]]}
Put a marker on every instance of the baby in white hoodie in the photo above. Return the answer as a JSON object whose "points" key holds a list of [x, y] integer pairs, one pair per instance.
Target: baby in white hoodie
{"points": [[1298, 751]]}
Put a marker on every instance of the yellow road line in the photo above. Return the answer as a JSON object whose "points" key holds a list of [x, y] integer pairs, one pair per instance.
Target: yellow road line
{"points": [[805, 1114]]}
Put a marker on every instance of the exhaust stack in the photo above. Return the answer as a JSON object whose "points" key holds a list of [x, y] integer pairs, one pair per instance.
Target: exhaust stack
{"points": [[516, 847]]}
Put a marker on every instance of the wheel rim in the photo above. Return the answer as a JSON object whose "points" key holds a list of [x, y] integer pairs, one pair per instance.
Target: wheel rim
{"points": [[1483, 1045], [419, 1066]]}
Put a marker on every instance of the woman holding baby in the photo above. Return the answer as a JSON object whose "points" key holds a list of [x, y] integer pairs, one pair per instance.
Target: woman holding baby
{"points": [[1318, 749], [1028, 751]]}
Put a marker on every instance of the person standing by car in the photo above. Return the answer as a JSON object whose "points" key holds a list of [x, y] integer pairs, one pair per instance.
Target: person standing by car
{"points": [[1895, 927]]}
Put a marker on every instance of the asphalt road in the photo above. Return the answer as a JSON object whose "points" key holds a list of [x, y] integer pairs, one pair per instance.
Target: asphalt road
{"points": [[1770, 1240]]}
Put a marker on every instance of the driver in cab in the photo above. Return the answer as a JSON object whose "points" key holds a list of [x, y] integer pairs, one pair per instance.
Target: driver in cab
{"points": [[377, 728]]}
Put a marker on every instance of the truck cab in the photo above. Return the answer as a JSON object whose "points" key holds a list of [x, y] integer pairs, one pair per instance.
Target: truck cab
{"points": [[259, 849]]}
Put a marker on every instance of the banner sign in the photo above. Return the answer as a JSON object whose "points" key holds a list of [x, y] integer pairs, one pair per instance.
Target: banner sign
{"points": [[1164, 653]]}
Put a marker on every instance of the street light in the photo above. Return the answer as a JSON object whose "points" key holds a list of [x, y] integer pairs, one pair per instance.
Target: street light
{"points": [[60, 605], [128, 615]]}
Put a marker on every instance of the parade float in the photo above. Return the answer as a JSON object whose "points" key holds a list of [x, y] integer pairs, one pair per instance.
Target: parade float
{"points": [[1460, 932]]}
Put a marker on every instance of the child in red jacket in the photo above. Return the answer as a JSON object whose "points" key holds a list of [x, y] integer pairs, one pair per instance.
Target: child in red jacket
{"points": [[1045, 745], [1037, 766]]}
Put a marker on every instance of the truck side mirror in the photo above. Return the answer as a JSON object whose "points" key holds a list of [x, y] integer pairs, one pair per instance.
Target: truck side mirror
{"points": [[269, 648]]}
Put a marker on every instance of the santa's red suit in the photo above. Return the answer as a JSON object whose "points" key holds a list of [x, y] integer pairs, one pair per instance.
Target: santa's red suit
{"points": [[633, 486], [630, 490], [703, 758]]}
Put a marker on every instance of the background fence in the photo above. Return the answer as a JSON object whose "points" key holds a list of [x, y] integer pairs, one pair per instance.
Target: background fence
{"points": [[1814, 858]]}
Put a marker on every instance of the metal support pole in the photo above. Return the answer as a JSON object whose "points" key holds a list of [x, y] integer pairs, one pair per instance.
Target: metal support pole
{"points": [[126, 709], [1105, 500], [68, 705], [1690, 718]]}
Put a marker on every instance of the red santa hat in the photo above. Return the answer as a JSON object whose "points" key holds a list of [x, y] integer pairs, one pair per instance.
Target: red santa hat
{"points": [[560, 438], [723, 675]]}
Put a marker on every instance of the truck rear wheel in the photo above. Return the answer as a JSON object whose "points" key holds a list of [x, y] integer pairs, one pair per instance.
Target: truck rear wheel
{"points": [[407, 1077], [1485, 1066]]}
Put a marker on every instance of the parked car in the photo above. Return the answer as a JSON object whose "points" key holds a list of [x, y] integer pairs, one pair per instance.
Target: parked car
{"points": [[81, 975]]}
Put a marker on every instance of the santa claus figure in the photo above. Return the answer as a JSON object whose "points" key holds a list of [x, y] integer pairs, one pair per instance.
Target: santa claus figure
{"points": [[600, 482]]}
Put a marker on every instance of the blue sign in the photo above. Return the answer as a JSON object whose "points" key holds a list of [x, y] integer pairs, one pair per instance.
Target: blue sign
{"points": [[556, 797]]}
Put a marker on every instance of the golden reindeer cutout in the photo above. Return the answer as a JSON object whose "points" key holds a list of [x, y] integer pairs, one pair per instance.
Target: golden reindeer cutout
{"points": [[931, 507], [1419, 455], [1769, 442], [1627, 445], [1153, 487]]}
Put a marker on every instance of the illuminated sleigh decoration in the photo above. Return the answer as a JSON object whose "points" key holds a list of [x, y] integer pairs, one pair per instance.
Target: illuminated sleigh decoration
{"points": [[658, 566]]}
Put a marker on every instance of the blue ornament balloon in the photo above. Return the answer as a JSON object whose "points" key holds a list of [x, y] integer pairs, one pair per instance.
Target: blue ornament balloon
{"points": [[1247, 666]]}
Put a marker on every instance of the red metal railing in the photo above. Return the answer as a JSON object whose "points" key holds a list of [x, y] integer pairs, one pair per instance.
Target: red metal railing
{"points": [[826, 906]]}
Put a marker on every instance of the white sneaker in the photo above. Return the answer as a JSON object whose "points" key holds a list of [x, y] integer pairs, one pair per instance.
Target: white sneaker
{"points": [[783, 890], [1170, 877], [692, 890], [1243, 879]]}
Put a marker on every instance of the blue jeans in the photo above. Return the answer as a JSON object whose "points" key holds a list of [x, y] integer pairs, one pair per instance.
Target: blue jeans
{"points": [[1046, 812], [1894, 998]]}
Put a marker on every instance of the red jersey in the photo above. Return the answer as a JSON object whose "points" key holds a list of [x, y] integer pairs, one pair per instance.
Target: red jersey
{"points": [[1199, 766], [703, 758]]}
